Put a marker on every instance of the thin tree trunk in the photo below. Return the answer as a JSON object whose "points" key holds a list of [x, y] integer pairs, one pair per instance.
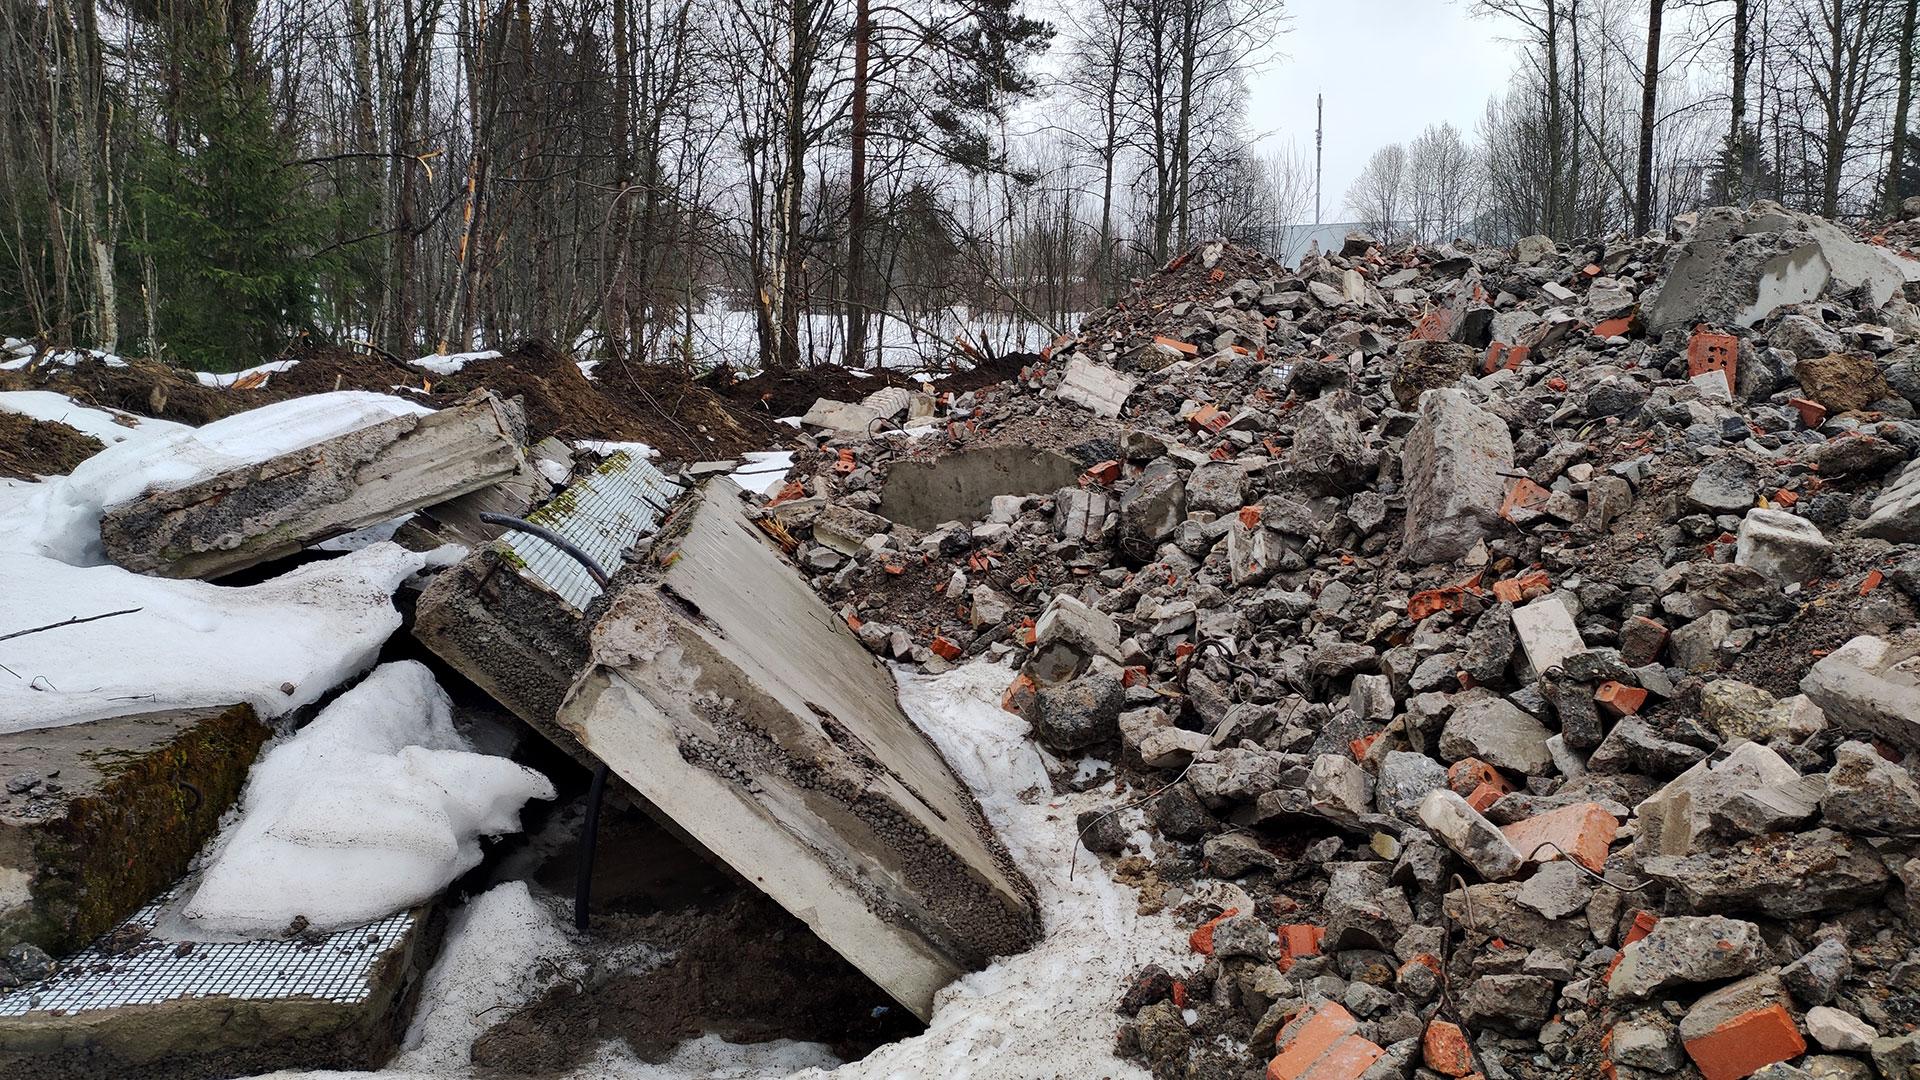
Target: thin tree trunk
{"points": [[1649, 94], [857, 192], [1902, 101]]}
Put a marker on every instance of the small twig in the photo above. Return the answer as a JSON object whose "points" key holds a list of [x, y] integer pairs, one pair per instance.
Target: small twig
{"points": [[75, 621]]}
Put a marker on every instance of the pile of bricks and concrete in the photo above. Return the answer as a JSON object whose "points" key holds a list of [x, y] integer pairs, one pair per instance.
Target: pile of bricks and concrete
{"points": [[1527, 637]]}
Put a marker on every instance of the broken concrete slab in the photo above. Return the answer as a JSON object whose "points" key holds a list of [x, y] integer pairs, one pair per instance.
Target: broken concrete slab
{"points": [[1895, 514], [961, 487], [1096, 386], [101, 816], [1547, 633], [274, 508], [510, 616], [1454, 461], [736, 702], [149, 1000], [841, 416], [1869, 684], [1787, 548]]}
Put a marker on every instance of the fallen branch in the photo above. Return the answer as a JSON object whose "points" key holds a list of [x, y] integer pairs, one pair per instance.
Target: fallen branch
{"points": [[75, 621]]}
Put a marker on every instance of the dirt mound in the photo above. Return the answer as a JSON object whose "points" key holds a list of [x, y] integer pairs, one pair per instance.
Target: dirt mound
{"points": [[142, 387], [33, 448], [746, 970], [791, 391], [683, 418], [325, 368]]}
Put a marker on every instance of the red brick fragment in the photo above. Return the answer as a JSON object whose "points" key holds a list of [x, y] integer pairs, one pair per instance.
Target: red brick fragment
{"points": [[1711, 351], [1618, 699], [1444, 1046], [1320, 1044], [945, 648], [1742, 1046], [1201, 940], [1582, 832], [1298, 940]]}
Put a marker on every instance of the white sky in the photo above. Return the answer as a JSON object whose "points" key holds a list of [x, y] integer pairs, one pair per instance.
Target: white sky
{"points": [[1388, 68]]}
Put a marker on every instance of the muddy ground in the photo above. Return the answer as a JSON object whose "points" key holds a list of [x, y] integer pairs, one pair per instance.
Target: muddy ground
{"points": [[34, 448]]}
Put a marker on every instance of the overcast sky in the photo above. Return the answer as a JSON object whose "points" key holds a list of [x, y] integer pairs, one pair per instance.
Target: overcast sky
{"points": [[1387, 68]]}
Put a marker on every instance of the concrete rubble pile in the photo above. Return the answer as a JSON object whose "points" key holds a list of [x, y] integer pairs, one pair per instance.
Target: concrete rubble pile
{"points": [[1526, 638]]}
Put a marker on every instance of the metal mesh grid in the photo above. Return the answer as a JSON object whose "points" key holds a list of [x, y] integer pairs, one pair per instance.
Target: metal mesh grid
{"points": [[604, 513], [332, 967]]}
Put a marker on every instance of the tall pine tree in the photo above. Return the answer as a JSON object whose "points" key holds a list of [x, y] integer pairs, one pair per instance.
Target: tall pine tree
{"points": [[223, 211]]}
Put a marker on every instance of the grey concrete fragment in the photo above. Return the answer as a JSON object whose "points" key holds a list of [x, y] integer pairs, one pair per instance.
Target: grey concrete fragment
{"points": [[1547, 633], [95, 823], [1866, 793], [1787, 548], [273, 508], [1895, 513], [1685, 949], [1471, 836], [1067, 638], [728, 695], [844, 417], [1096, 387], [1489, 727], [1869, 685], [1454, 461], [961, 486]]}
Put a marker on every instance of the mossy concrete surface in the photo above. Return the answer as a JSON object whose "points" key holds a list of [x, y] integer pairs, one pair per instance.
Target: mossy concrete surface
{"points": [[114, 811]]}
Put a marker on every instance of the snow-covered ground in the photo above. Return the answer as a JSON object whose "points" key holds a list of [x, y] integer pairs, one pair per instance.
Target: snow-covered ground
{"points": [[18, 354], [762, 471], [375, 806], [111, 426], [451, 363], [60, 518], [265, 372], [277, 645], [1046, 1014]]}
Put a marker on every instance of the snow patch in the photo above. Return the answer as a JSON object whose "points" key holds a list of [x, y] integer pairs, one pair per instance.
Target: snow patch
{"points": [[608, 448], [502, 950], [451, 363], [763, 472], [62, 520], [225, 379], [23, 355], [190, 644], [374, 807], [111, 426]]}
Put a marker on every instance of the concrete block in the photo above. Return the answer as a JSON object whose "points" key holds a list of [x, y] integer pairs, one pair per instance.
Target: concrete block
{"points": [[1787, 548], [1454, 462], [1895, 513], [178, 1007], [844, 417], [961, 486], [1547, 633], [1096, 387], [112, 812], [1869, 684], [740, 706], [273, 508]]}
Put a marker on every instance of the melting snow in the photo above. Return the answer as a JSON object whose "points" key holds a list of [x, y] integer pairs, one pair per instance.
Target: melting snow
{"points": [[191, 643], [224, 379], [60, 519], [111, 426], [450, 363], [374, 807], [763, 471]]}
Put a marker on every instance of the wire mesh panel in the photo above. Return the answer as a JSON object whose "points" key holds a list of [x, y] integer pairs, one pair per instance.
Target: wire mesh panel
{"points": [[131, 965], [604, 514]]}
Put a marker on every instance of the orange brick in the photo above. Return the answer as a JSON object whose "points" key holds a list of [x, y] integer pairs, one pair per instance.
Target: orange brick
{"points": [[1525, 587], [1106, 472], [1298, 940], [1619, 699], [1620, 327], [1583, 832], [1133, 676], [1177, 345], [1523, 494], [1019, 696], [1745, 1044], [1469, 774], [1201, 940], [1485, 796], [1358, 747], [1433, 601], [1710, 351], [1643, 924], [1811, 412], [1501, 355], [1320, 1044], [945, 649], [1871, 581], [1445, 1048]]}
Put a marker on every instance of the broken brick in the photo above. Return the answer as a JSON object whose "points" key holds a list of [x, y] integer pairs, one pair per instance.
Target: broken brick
{"points": [[1445, 1049], [1812, 413], [1502, 356], [1741, 1046], [1201, 940], [1619, 699], [945, 649], [1582, 832], [1711, 351], [1320, 1044], [1523, 494], [1299, 940]]}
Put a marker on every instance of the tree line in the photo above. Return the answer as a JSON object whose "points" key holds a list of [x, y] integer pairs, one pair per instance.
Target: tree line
{"points": [[1624, 113]]}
